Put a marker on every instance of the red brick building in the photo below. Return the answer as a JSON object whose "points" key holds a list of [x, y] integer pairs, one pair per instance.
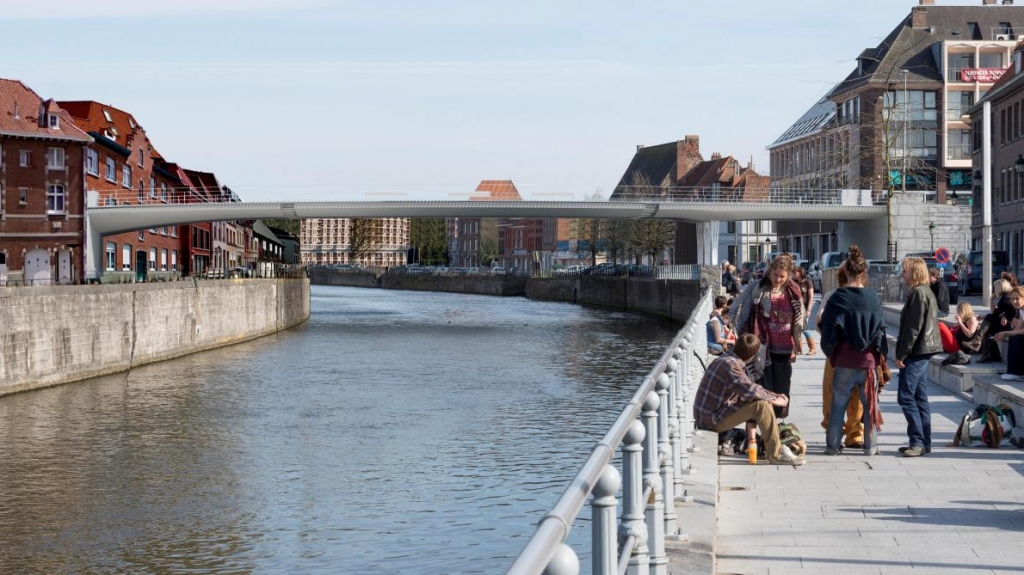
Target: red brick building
{"points": [[123, 167], [42, 193]]}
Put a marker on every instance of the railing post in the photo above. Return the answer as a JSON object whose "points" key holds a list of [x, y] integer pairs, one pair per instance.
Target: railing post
{"points": [[564, 562], [681, 419], [654, 515], [603, 535], [633, 500], [674, 424], [668, 481]]}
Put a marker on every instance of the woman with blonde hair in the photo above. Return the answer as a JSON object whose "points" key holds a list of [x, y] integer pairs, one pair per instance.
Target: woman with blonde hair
{"points": [[773, 310], [918, 341], [967, 327], [998, 321], [853, 339]]}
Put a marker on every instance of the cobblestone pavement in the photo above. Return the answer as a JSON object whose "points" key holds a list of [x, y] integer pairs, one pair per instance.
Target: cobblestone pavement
{"points": [[956, 510]]}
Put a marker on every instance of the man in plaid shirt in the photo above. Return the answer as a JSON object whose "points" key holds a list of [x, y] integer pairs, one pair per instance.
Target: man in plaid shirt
{"points": [[728, 397]]}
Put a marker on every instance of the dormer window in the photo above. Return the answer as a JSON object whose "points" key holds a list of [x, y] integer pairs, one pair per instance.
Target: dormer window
{"points": [[113, 133], [53, 120], [131, 122], [106, 115]]}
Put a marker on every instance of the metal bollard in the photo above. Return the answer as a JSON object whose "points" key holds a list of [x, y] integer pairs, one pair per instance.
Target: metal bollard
{"points": [[633, 500], [603, 534], [654, 514]]}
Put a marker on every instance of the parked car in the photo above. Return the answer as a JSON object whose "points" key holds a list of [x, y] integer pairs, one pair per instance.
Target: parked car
{"points": [[970, 269], [573, 270], [830, 260]]}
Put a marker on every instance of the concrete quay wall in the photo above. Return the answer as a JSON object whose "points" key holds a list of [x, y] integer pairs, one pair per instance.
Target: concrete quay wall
{"points": [[329, 277], [59, 334], [671, 299]]}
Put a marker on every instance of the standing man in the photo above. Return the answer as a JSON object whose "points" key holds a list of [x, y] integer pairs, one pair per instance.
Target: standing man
{"points": [[940, 290], [727, 397]]}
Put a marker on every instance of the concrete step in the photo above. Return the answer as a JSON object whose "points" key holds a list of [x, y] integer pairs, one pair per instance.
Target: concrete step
{"points": [[958, 379]]}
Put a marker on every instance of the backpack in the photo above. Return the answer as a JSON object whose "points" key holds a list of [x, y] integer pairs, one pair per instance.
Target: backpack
{"points": [[985, 424]]}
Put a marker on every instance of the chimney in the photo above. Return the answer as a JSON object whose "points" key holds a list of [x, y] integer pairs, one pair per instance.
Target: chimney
{"points": [[716, 156], [639, 147], [919, 16], [687, 155], [988, 2], [927, 3], [1007, 2]]}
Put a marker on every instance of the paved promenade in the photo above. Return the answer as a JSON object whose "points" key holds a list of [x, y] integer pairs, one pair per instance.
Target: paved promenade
{"points": [[956, 510]]}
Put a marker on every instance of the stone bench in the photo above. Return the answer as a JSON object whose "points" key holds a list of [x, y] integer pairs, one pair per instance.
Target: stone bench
{"points": [[959, 379]]}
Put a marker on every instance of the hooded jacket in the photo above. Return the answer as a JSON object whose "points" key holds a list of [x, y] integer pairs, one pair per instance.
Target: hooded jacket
{"points": [[853, 315]]}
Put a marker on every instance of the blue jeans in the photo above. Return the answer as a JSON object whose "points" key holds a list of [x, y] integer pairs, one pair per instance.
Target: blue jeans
{"points": [[844, 381], [912, 396]]}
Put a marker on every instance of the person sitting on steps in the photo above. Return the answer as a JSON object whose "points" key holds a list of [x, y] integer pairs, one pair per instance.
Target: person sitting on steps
{"points": [[997, 321], [727, 397]]}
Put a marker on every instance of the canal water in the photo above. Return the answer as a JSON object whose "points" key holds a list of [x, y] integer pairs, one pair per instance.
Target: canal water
{"points": [[394, 432]]}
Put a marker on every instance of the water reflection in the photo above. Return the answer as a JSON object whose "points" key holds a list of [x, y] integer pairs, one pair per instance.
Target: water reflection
{"points": [[399, 432]]}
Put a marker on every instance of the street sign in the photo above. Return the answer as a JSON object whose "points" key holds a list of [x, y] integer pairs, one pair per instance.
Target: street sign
{"points": [[942, 255]]}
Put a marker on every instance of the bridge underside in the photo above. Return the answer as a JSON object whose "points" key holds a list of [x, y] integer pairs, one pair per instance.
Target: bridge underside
{"points": [[104, 221]]}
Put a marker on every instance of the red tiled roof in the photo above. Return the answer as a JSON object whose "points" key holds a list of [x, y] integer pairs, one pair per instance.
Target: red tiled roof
{"points": [[89, 115], [20, 108], [497, 190]]}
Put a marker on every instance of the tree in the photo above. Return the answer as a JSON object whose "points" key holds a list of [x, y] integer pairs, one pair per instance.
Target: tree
{"points": [[291, 226], [488, 241], [647, 237], [429, 237], [589, 232], [363, 239]]}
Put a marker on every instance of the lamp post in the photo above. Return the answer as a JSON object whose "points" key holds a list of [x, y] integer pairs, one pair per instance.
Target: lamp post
{"points": [[767, 247], [931, 232], [906, 125]]}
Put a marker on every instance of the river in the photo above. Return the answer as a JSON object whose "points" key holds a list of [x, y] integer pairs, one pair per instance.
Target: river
{"points": [[394, 432]]}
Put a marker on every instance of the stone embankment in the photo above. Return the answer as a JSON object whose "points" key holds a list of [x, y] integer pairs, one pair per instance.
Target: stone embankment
{"points": [[671, 299], [58, 334]]}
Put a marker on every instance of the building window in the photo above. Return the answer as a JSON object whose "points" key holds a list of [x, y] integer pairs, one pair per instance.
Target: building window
{"points": [[106, 115], [152, 187], [152, 259], [142, 193], [22, 196], [25, 158], [92, 161], [111, 256], [55, 199], [53, 120], [142, 235], [163, 259], [163, 192], [142, 159], [126, 176], [163, 231], [55, 159], [174, 231], [126, 257], [111, 174]]}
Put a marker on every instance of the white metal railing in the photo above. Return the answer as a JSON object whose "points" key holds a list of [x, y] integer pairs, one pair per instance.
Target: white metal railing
{"points": [[655, 433]]}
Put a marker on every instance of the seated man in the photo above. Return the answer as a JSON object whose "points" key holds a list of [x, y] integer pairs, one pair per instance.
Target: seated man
{"points": [[727, 397]]}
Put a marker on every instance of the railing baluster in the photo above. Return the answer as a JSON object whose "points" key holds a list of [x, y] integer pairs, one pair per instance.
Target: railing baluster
{"points": [[668, 481], [603, 534], [632, 500], [655, 513]]}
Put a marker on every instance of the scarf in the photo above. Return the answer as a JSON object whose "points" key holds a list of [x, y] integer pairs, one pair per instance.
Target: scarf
{"points": [[761, 309]]}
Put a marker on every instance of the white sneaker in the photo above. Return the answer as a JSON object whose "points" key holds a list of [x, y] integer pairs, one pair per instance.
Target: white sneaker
{"points": [[787, 457], [1011, 377]]}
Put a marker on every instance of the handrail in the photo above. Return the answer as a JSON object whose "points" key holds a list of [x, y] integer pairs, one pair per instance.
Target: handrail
{"points": [[659, 396]]}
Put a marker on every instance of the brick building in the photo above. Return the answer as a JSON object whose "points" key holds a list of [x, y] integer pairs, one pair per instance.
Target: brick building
{"points": [[678, 171], [329, 241], [123, 168], [42, 190], [898, 120]]}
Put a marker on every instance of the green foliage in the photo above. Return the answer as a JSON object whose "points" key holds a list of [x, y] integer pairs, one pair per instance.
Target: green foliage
{"points": [[429, 237]]}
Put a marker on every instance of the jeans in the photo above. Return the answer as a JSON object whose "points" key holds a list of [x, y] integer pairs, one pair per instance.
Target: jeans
{"points": [[912, 397], [844, 381]]}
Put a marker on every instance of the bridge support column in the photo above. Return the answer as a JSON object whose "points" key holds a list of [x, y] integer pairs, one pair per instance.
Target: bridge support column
{"points": [[93, 243], [870, 235], [707, 243]]}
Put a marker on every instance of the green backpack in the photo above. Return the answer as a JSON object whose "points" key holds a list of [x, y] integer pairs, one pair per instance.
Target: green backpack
{"points": [[987, 425]]}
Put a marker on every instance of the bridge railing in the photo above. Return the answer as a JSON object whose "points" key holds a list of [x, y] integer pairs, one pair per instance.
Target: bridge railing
{"points": [[720, 195], [655, 434]]}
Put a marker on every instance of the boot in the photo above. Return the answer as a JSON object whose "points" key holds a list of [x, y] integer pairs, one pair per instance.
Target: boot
{"points": [[799, 348], [811, 350]]}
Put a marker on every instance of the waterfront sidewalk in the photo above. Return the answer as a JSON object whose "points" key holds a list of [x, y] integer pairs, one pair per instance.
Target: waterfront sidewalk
{"points": [[956, 510]]}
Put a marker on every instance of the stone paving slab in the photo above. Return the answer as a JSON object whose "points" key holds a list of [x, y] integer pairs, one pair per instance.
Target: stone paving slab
{"points": [[956, 510]]}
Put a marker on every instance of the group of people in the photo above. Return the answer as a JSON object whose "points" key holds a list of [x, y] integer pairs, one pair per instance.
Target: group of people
{"points": [[750, 380]]}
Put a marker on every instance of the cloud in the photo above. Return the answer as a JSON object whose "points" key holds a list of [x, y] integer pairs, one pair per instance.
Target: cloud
{"points": [[77, 9]]}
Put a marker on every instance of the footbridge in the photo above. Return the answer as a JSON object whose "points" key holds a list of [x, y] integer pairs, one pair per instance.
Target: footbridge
{"points": [[114, 216]]}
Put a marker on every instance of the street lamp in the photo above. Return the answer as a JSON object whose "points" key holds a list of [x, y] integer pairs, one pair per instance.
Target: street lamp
{"points": [[906, 114], [767, 247], [931, 232]]}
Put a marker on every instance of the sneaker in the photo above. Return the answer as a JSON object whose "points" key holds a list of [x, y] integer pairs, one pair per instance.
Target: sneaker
{"points": [[914, 451], [787, 457], [1017, 442], [1011, 377], [833, 451], [904, 449]]}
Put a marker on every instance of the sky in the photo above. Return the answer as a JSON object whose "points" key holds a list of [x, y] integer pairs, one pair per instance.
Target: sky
{"points": [[342, 100]]}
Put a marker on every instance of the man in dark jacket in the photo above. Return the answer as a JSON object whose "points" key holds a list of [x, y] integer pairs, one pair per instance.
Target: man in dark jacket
{"points": [[940, 289], [917, 342]]}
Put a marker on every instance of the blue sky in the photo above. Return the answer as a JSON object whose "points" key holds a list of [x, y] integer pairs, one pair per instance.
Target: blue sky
{"points": [[306, 100]]}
